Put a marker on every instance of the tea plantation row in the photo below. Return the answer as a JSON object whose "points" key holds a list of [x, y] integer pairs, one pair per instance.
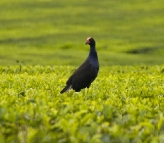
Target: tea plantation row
{"points": [[124, 104]]}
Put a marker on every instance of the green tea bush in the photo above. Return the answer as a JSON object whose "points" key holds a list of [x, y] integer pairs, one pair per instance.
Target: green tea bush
{"points": [[124, 104]]}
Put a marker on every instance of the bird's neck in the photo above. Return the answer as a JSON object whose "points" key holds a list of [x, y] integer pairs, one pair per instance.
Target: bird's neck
{"points": [[93, 52], [92, 49], [92, 58]]}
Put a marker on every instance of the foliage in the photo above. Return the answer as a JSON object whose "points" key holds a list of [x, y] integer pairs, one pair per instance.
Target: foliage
{"points": [[47, 31], [124, 104]]}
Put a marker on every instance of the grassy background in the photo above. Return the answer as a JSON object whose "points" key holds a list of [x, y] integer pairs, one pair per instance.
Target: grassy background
{"points": [[48, 32]]}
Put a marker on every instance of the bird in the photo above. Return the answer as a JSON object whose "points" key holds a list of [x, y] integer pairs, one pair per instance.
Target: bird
{"points": [[86, 72]]}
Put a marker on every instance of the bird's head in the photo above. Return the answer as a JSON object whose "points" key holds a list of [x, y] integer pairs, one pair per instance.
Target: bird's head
{"points": [[90, 41]]}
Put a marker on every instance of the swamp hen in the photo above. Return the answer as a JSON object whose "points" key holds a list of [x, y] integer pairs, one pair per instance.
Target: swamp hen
{"points": [[86, 73]]}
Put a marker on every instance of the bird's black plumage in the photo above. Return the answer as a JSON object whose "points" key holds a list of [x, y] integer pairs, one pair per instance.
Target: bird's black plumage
{"points": [[86, 73]]}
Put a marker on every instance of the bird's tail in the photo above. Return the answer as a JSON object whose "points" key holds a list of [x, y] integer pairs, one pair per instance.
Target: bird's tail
{"points": [[65, 88]]}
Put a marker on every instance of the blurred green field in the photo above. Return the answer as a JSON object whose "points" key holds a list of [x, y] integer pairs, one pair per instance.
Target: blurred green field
{"points": [[47, 32]]}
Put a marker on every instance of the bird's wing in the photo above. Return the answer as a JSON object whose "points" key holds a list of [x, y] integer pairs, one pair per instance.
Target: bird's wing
{"points": [[82, 68], [83, 76]]}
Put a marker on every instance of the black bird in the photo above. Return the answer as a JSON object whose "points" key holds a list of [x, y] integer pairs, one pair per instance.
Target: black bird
{"points": [[86, 73]]}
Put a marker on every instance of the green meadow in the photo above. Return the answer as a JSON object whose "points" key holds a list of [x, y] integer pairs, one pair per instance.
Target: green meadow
{"points": [[51, 32]]}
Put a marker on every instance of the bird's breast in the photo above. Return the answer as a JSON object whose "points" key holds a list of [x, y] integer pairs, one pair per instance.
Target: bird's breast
{"points": [[94, 63]]}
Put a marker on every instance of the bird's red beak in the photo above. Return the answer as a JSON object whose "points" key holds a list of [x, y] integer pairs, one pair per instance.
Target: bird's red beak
{"points": [[88, 41]]}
